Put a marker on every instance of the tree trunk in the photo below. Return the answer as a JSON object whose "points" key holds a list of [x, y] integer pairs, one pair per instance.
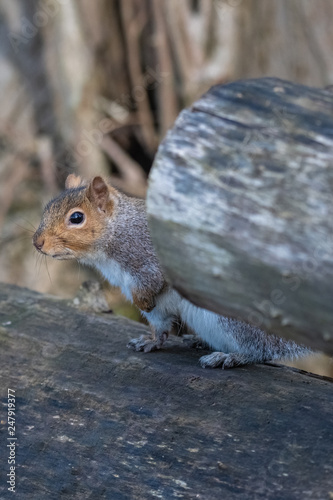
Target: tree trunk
{"points": [[240, 206]]}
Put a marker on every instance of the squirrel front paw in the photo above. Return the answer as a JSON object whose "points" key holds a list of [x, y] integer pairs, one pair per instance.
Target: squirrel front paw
{"points": [[220, 359], [146, 343]]}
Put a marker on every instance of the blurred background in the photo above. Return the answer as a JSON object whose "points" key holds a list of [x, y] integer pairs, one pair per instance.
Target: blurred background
{"points": [[92, 87]]}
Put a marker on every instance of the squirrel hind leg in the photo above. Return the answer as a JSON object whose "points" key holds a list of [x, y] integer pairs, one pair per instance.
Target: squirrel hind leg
{"points": [[225, 361], [214, 360]]}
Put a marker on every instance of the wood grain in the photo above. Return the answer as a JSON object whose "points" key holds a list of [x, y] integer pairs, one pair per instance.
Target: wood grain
{"points": [[96, 420], [240, 206]]}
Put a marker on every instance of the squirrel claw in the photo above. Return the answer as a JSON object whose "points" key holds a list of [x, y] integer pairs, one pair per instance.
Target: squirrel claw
{"points": [[145, 344]]}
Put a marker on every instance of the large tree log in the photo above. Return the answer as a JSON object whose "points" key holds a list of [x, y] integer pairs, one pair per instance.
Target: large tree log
{"points": [[240, 206], [95, 420]]}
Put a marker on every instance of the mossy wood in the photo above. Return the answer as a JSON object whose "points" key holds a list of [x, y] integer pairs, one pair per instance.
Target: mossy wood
{"points": [[240, 206], [96, 420]]}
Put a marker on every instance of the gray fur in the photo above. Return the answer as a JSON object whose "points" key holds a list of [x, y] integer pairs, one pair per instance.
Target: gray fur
{"points": [[235, 343], [131, 245], [124, 254]]}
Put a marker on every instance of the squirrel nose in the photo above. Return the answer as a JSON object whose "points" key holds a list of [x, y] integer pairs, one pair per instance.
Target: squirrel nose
{"points": [[38, 242]]}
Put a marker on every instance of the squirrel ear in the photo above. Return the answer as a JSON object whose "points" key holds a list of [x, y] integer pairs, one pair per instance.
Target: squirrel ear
{"points": [[73, 181], [98, 193]]}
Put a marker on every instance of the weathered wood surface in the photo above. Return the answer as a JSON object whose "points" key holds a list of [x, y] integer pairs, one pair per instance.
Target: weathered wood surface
{"points": [[240, 206], [95, 420]]}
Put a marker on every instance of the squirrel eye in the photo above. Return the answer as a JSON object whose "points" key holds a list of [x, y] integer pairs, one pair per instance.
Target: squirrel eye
{"points": [[76, 218]]}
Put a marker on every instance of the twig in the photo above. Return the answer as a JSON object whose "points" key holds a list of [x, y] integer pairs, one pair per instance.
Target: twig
{"points": [[135, 181], [133, 25], [17, 171], [45, 155], [167, 108]]}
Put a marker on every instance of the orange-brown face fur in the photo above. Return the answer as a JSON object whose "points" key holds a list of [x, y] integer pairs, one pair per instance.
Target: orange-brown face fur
{"points": [[60, 238]]}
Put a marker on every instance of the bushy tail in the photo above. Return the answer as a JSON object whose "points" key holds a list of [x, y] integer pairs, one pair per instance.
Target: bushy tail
{"points": [[262, 347], [236, 343]]}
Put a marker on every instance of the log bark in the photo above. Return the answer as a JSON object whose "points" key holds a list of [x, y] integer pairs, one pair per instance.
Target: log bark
{"points": [[240, 206], [95, 420]]}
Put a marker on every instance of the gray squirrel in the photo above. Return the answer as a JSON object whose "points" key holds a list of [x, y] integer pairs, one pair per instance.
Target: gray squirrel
{"points": [[99, 226]]}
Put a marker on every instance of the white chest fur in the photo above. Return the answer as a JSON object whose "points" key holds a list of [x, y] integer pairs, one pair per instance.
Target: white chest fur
{"points": [[115, 275]]}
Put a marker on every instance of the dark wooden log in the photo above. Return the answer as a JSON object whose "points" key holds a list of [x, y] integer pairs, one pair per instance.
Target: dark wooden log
{"points": [[240, 206], [96, 420]]}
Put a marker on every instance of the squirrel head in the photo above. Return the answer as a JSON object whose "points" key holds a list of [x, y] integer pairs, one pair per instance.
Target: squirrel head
{"points": [[74, 222]]}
